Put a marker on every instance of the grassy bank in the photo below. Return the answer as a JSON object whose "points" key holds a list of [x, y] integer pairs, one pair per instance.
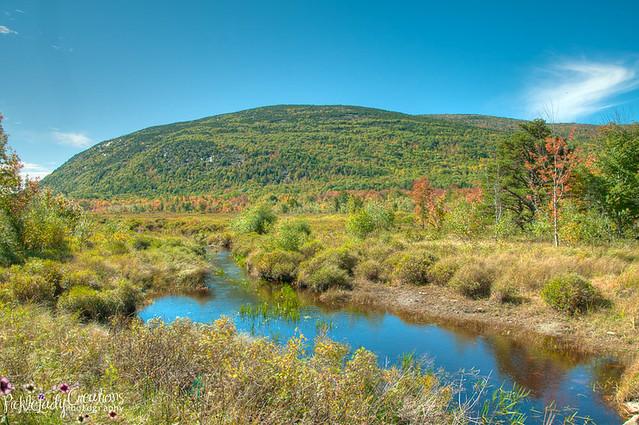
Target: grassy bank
{"points": [[186, 373], [586, 297]]}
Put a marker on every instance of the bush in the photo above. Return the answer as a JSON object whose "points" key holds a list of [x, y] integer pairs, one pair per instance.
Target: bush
{"points": [[37, 281], [507, 292], [28, 287], [278, 266], [570, 294], [291, 235], [412, 268], [92, 304], [310, 248], [473, 280], [50, 270], [343, 257], [327, 276], [50, 224], [141, 242], [442, 271], [373, 217], [11, 249], [83, 277], [258, 219], [371, 270], [89, 303]]}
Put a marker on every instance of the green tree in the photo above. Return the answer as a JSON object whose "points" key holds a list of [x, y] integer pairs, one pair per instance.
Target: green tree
{"points": [[32, 221], [373, 217], [518, 185], [614, 181], [258, 219]]}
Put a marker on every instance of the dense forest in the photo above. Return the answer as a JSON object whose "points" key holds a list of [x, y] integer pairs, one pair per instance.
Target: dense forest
{"points": [[287, 149]]}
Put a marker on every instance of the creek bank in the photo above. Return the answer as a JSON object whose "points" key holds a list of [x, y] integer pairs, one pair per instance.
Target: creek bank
{"points": [[442, 306]]}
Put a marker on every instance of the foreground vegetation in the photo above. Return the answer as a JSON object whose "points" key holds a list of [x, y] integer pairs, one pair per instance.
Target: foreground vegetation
{"points": [[187, 373]]}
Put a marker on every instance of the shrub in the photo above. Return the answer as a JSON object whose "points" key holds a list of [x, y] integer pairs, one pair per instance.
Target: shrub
{"points": [[343, 257], [89, 303], [11, 249], [83, 277], [49, 270], [464, 219], [278, 266], [412, 268], [129, 297], [327, 276], [141, 242], [507, 292], [570, 294], [473, 280], [291, 235], [258, 219], [371, 270], [50, 224], [442, 271], [373, 217], [92, 304], [29, 287], [310, 248]]}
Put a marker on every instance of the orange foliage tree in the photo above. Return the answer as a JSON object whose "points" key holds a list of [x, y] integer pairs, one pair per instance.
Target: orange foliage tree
{"points": [[429, 203], [555, 169]]}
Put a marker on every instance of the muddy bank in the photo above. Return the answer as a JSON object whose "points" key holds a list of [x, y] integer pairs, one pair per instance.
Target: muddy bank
{"points": [[528, 322]]}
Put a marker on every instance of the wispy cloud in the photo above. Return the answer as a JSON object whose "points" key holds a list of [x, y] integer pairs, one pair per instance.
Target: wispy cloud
{"points": [[5, 30], [33, 171], [571, 90], [63, 49], [77, 140]]}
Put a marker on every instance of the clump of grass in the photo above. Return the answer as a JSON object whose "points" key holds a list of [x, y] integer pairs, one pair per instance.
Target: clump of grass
{"points": [[91, 304], [442, 271], [310, 248], [327, 276], [473, 280], [370, 270], [571, 294], [412, 267], [258, 219], [506, 292], [628, 388], [292, 234], [24, 287], [629, 278], [277, 266]]}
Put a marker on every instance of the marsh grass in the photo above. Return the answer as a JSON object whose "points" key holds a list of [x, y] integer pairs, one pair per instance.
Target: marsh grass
{"points": [[185, 373]]}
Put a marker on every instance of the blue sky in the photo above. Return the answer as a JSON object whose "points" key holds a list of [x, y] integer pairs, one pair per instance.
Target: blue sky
{"points": [[74, 73]]}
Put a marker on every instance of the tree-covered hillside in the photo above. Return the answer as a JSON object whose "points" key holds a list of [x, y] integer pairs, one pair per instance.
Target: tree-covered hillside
{"points": [[281, 148]]}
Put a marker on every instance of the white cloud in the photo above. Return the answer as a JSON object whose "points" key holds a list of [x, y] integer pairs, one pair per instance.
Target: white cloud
{"points": [[63, 49], [33, 171], [72, 139], [571, 90], [5, 30]]}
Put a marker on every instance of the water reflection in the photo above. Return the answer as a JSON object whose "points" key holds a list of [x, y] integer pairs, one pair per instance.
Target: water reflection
{"points": [[549, 375]]}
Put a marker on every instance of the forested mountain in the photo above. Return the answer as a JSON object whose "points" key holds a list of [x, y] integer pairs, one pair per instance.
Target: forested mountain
{"points": [[295, 148]]}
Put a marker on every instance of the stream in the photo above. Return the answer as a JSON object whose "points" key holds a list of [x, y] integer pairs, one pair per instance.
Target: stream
{"points": [[582, 383]]}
